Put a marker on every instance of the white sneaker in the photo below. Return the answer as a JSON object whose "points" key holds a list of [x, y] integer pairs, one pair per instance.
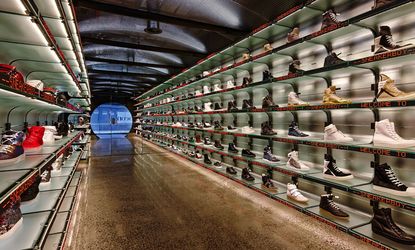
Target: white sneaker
{"points": [[48, 137], [294, 162], [332, 134], [177, 124], [198, 93], [206, 89], [247, 130], [168, 100], [216, 87], [230, 84], [386, 136], [207, 107], [205, 73], [294, 194], [294, 100]]}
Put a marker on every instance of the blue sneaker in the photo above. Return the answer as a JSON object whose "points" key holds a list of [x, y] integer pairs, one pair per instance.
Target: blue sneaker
{"points": [[293, 130]]}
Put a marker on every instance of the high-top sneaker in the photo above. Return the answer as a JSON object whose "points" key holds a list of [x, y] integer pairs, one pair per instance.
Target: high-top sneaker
{"points": [[329, 19], [207, 107], [293, 35], [331, 133], [246, 56], [45, 176], [198, 139], [246, 81], [246, 175], [332, 59], [198, 93], [293, 130], [266, 129], [327, 204], [388, 91], [198, 155], [57, 164], [294, 162], [230, 84], [32, 192], [231, 170], [383, 224], [217, 125], [294, 194], [232, 106], [268, 156], [232, 148], [11, 149], [380, 3], [248, 153], [330, 97], [218, 106], [218, 145], [218, 164], [267, 76], [63, 130], [49, 135], [33, 141], [206, 159], [206, 90], [386, 136], [216, 88], [384, 42], [267, 183], [331, 170], [294, 67], [247, 104], [267, 102], [10, 218], [267, 47], [207, 141], [192, 154], [294, 100], [198, 109], [386, 181]]}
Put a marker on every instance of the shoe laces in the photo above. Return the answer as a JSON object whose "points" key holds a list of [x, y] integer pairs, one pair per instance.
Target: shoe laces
{"points": [[335, 168], [332, 16], [393, 133], [5, 149], [392, 177], [392, 87], [7, 139], [390, 41], [333, 205]]}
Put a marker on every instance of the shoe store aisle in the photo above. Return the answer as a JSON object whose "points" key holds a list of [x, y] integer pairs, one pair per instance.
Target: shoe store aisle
{"points": [[156, 200]]}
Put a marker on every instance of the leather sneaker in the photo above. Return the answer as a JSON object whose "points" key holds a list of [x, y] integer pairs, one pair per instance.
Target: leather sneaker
{"points": [[328, 205]]}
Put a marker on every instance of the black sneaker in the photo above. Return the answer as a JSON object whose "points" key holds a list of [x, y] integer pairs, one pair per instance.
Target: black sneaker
{"points": [[217, 106], [294, 67], [384, 42], [329, 19], [247, 104], [267, 102], [32, 191], [206, 159], [231, 128], [248, 153], [207, 141], [332, 59], [246, 81], [327, 204], [267, 183], [293, 130], [383, 224], [232, 106], [217, 125], [380, 3], [218, 145], [246, 175], [266, 129], [217, 164], [230, 170], [332, 171], [232, 148], [267, 76], [386, 181]]}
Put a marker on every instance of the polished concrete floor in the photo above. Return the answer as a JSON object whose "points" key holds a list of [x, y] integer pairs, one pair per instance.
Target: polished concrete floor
{"points": [[156, 200]]}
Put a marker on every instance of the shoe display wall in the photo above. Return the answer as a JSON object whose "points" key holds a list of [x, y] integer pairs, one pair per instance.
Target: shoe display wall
{"points": [[356, 113]]}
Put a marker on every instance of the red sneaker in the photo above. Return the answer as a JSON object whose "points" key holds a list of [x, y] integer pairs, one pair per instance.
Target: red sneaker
{"points": [[34, 141]]}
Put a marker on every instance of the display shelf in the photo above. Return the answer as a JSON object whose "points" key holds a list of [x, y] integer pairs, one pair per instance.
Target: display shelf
{"points": [[75, 180], [56, 183], [10, 179], [29, 162], [59, 224], [67, 202], [26, 236], [355, 185], [365, 232], [45, 201], [356, 219], [53, 241], [65, 171], [319, 37]]}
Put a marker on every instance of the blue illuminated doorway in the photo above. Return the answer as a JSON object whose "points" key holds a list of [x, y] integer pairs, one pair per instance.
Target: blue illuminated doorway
{"points": [[110, 119]]}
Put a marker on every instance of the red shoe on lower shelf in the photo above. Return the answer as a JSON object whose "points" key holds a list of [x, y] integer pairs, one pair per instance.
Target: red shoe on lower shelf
{"points": [[34, 141]]}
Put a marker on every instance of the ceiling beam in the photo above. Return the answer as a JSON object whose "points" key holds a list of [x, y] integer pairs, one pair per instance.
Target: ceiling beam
{"points": [[112, 61], [92, 79], [135, 13], [97, 86], [111, 72], [141, 47]]}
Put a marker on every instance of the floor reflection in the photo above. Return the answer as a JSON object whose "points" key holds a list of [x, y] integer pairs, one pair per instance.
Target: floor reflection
{"points": [[117, 144]]}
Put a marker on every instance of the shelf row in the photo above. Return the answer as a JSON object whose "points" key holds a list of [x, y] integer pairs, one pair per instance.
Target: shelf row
{"points": [[358, 224], [17, 178], [367, 20], [359, 186], [41, 215]]}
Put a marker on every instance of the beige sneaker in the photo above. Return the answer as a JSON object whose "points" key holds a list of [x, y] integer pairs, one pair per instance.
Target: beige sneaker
{"points": [[293, 35], [389, 92], [330, 97]]}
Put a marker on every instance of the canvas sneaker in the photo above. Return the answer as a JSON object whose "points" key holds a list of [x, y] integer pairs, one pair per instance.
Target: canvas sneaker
{"points": [[386, 136]]}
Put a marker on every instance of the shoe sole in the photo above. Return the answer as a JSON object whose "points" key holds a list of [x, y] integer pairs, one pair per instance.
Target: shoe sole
{"points": [[349, 177], [299, 169], [249, 156], [32, 150], [386, 145], [270, 161], [394, 239], [294, 199], [13, 230], [391, 191], [13, 160], [328, 214], [273, 189]]}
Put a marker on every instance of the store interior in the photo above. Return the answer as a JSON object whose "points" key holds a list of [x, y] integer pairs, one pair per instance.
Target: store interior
{"points": [[191, 124]]}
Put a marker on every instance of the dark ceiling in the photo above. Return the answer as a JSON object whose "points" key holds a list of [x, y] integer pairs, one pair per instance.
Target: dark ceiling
{"points": [[124, 61]]}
